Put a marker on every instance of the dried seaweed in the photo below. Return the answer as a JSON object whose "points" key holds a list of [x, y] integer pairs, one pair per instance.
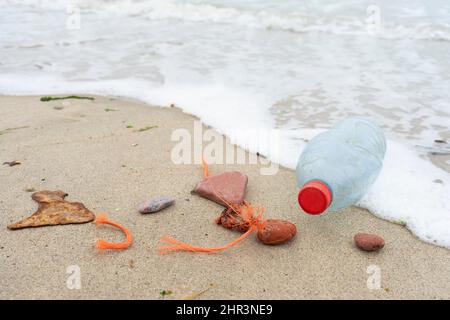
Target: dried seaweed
{"points": [[46, 99]]}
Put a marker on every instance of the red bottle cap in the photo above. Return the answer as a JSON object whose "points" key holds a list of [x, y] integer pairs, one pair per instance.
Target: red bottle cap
{"points": [[314, 197]]}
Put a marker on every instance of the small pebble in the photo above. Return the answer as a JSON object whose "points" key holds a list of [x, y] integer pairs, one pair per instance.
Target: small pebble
{"points": [[156, 204], [368, 242], [58, 107]]}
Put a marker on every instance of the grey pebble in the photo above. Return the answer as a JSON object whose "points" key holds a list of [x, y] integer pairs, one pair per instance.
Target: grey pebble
{"points": [[156, 204]]}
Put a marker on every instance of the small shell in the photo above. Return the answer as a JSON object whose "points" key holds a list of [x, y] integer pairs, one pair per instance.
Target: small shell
{"points": [[368, 242], [156, 204], [275, 232]]}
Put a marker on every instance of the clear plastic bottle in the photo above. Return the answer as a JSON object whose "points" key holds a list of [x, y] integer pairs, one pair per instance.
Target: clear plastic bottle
{"points": [[338, 166]]}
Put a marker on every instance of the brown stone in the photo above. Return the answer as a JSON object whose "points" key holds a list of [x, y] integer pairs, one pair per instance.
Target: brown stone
{"points": [[229, 186], [368, 242], [275, 232], [54, 210]]}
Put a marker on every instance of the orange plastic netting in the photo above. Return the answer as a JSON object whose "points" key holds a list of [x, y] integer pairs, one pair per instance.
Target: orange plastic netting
{"points": [[102, 218]]}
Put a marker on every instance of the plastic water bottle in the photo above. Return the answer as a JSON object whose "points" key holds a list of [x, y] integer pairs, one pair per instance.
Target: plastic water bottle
{"points": [[338, 166]]}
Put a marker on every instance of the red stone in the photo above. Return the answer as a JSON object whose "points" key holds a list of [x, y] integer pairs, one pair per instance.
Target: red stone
{"points": [[369, 242], [273, 231], [229, 186]]}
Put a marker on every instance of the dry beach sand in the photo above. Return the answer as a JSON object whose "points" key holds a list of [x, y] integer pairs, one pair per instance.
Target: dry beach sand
{"points": [[87, 150]]}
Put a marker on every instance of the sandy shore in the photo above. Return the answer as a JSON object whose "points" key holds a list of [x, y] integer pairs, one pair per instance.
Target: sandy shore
{"points": [[86, 149]]}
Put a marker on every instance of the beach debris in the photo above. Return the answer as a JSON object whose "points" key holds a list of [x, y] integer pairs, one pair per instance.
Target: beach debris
{"points": [[156, 204], [110, 109], [54, 210], [58, 107], [244, 218], [230, 185], [164, 293], [102, 218], [146, 128], [440, 141], [195, 295], [368, 242], [130, 126], [29, 189], [12, 163], [250, 215], [46, 99], [271, 231]]}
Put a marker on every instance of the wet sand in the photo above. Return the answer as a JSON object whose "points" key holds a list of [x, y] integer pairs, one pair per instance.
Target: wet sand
{"points": [[86, 149]]}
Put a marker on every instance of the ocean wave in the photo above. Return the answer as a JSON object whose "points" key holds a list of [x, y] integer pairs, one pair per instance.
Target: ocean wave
{"points": [[297, 21]]}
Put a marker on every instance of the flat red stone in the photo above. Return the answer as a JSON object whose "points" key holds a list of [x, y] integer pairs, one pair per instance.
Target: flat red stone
{"points": [[368, 242], [230, 186]]}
